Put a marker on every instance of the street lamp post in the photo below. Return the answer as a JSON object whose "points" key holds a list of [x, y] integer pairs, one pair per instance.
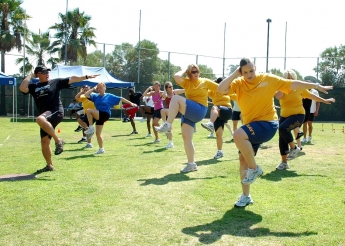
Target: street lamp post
{"points": [[66, 33], [268, 41]]}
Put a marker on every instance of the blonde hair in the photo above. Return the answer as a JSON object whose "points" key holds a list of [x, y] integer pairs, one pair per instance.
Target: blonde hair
{"points": [[189, 69], [290, 74], [102, 84], [166, 85]]}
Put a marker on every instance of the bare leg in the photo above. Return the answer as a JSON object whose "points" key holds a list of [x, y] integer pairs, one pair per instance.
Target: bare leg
{"points": [[155, 123], [91, 114], [305, 129], [46, 150], [219, 140], [177, 104], [229, 127], [242, 142], [99, 129], [214, 113], [148, 123], [133, 124], [47, 127], [243, 167], [310, 128], [187, 135]]}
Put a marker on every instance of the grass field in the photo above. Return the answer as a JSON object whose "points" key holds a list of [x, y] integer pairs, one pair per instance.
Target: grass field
{"points": [[135, 195]]}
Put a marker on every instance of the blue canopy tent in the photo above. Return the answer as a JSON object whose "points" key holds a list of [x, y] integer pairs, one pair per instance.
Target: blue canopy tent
{"points": [[11, 81]]}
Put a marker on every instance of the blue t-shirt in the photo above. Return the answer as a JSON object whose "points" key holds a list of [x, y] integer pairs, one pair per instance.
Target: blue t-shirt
{"points": [[105, 102]]}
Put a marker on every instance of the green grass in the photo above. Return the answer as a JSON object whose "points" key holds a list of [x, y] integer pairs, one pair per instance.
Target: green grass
{"points": [[135, 195]]}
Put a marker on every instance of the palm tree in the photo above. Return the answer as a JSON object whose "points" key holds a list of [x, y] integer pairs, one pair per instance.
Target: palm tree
{"points": [[12, 17], [76, 33], [40, 50]]}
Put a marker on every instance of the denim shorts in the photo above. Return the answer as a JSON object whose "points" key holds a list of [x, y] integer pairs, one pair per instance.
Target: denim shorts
{"points": [[195, 112], [260, 131]]}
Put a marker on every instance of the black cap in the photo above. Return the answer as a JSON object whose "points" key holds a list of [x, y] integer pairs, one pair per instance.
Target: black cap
{"points": [[41, 68]]}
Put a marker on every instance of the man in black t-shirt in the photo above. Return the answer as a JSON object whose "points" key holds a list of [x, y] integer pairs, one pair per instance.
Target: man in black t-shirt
{"points": [[46, 94], [134, 97]]}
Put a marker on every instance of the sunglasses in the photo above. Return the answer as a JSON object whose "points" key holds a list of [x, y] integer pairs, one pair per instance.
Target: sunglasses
{"points": [[44, 72], [194, 72], [170, 87]]}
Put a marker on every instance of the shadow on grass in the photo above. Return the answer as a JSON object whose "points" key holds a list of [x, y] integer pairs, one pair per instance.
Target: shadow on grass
{"points": [[20, 177], [236, 222], [175, 177], [80, 156], [278, 175]]}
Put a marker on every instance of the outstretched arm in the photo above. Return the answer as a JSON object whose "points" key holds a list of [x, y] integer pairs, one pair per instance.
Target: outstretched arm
{"points": [[320, 99], [300, 85], [74, 79]]}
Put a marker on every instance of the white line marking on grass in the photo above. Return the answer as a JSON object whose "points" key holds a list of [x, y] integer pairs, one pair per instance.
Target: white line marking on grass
{"points": [[5, 140]]}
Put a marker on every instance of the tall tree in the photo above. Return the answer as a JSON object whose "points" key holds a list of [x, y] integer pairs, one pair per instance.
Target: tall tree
{"points": [[76, 33], [12, 18], [41, 52], [206, 72], [332, 66]]}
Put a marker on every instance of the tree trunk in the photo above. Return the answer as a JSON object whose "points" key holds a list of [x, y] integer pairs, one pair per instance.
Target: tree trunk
{"points": [[3, 88]]}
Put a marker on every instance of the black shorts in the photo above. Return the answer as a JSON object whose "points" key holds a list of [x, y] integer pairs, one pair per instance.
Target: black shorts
{"points": [[311, 117], [157, 114], [53, 118], [236, 115], [225, 114], [103, 117], [307, 114]]}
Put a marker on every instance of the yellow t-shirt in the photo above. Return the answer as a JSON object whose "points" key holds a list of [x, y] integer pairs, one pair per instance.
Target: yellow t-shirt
{"points": [[219, 99], [195, 93], [86, 103], [256, 98], [291, 104]]}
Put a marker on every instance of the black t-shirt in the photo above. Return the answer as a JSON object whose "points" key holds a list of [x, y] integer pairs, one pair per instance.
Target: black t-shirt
{"points": [[47, 94], [135, 98]]}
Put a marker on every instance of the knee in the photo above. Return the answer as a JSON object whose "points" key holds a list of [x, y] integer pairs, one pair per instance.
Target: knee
{"points": [[40, 120]]}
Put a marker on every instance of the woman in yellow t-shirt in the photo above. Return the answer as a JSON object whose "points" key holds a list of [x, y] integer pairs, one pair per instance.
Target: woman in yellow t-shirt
{"points": [[193, 108], [255, 94], [291, 117]]}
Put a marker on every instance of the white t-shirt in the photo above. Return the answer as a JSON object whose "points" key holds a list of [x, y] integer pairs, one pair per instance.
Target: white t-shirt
{"points": [[313, 103], [148, 101]]}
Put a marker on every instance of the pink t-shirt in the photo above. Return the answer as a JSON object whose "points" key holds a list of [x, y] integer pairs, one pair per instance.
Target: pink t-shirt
{"points": [[157, 101]]}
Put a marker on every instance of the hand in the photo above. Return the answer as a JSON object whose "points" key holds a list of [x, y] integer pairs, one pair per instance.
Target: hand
{"points": [[328, 101], [324, 88], [133, 105], [93, 76]]}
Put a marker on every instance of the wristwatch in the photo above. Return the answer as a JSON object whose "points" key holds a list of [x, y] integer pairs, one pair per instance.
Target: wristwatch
{"points": [[317, 85]]}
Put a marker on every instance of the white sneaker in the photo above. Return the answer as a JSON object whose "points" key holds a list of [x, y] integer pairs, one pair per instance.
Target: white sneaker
{"points": [[244, 201], [251, 175], [148, 135], [191, 167], [211, 135], [166, 127], [304, 140], [88, 145], [170, 145], [100, 151], [293, 153], [309, 139], [208, 126], [88, 136], [156, 141], [218, 155], [282, 166], [89, 130]]}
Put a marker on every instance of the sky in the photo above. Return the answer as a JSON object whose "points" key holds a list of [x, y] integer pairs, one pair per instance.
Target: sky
{"points": [[201, 27]]}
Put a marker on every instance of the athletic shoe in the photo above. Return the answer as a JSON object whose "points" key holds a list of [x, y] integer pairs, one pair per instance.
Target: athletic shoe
{"points": [[300, 147], [100, 151], [166, 127], [191, 167], [309, 139], [156, 141], [299, 135], [59, 147], [208, 126], [170, 145], [251, 175], [148, 135], [143, 119], [211, 135], [244, 201], [89, 130], [79, 128], [304, 140], [88, 146], [293, 153], [218, 155], [88, 136], [134, 132], [47, 168], [282, 166], [83, 139]]}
